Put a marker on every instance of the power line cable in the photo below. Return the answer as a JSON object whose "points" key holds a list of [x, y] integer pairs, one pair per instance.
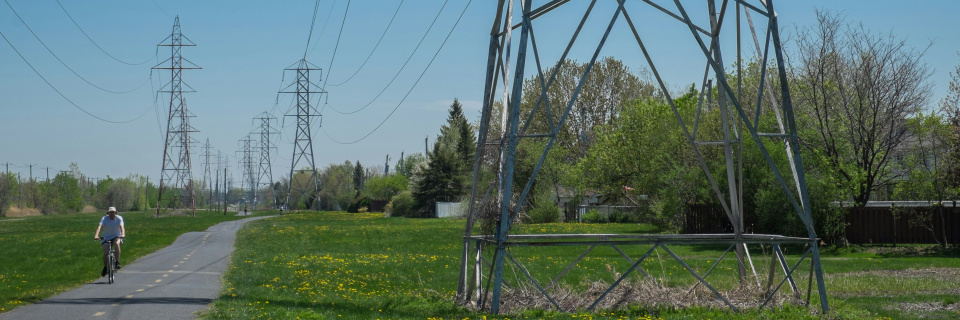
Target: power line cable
{"points": [[61, 61], [374, 47], [61, 93], [161, 9], [316, 6], [401, 67], [94, 42], [324, 27], [337, 46], [411, 87]]}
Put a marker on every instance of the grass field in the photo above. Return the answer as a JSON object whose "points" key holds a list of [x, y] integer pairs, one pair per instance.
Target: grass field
{"points": [[363, 266], [45, 255]]}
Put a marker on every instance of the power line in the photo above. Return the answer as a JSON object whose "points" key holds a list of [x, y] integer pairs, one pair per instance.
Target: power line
{"points": [[61, 93], [401, 67], [61, 61], [335, 47], [412, 87], [312, 23], [324, 27], [374, 47], [94, 42]]}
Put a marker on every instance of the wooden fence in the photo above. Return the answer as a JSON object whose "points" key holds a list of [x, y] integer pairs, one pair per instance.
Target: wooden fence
{"points": [[880, 225], [866, 225]]}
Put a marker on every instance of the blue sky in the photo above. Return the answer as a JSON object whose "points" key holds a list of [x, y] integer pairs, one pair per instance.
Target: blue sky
{"points": [[243, 47]]}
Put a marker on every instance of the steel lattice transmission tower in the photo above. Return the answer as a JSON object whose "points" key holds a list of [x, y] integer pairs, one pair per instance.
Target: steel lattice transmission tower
{"points": [[207, 176], [176, 189], [265, 171], [302, 189], [249, 172], [736, 123]]}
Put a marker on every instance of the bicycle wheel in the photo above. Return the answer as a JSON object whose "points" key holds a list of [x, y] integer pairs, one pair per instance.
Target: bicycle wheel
{"points": [[110, 268]]}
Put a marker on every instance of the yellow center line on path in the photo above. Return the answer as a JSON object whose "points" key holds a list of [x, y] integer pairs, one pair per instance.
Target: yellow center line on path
{"points": [[158, 280], [129, 296], [115, 305], [141, 290], [98, 314], [166, 275], [176, 265]]}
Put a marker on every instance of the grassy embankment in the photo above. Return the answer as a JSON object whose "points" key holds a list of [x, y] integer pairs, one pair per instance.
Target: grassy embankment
{"points": [[363, 266], [45, 255]]}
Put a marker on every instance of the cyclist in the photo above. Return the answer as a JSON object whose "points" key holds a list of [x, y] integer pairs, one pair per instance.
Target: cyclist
{"points": [[113, 231]]}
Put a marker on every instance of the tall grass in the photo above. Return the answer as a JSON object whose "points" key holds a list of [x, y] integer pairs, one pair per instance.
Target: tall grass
{"points": [[45, 255]]}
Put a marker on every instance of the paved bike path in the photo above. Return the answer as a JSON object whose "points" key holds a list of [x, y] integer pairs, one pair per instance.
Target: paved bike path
{"points": [[172, 283]]}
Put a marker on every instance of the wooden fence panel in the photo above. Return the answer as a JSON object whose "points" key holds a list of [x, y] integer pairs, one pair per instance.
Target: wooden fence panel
{"points": [[880, 225]]}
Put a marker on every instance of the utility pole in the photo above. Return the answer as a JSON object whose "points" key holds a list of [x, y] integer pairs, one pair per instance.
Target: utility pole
{"points": [[176, 174], [31, 172], [19, 192], [227, 182], [219, 166], [303, 143], [386, 166], [48, 174], [265, 170]]}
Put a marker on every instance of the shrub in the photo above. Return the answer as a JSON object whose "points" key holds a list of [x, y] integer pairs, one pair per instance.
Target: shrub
{"points": [[360, 201], [402, 205], [545, 212], [593, 216], [622, 217]]}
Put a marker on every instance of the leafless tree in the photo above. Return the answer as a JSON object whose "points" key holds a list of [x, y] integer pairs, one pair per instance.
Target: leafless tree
{"points": [[854, 91]]}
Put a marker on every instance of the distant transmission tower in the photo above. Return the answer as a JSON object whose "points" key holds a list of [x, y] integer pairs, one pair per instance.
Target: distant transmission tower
{"points": [[303, 189], [207, 177], [265, 171], [176, 185], [249, 172]]}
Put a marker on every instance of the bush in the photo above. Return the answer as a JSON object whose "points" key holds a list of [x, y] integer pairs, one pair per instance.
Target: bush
{"points": [[593, 216], [545, 212], [359, 202], [622, 217], [402, 205]]}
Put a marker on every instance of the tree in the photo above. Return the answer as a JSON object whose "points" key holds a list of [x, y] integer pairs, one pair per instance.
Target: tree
{"points": [[337, 187], [924, 163], [610, 85], [358, 176], [950, 109], [406, 166], [8, 187], [441, 181], [643, 152], [855, 90], [385, 187]]}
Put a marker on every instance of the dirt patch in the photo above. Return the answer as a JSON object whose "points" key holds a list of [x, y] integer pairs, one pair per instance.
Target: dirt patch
{"points": [[924, 307], [646, 293], [22, 212], [88, 209], [938, 273]]}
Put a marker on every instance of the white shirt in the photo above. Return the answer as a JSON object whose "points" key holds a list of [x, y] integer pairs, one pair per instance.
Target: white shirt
{"points": [[111, 228]]}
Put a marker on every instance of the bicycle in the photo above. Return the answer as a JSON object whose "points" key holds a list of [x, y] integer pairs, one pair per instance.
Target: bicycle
{"points": [[111, 258]]}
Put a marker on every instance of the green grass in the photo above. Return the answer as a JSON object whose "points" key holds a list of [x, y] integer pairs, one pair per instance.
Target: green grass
{"points": [[45, 255], [363, 266]]}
